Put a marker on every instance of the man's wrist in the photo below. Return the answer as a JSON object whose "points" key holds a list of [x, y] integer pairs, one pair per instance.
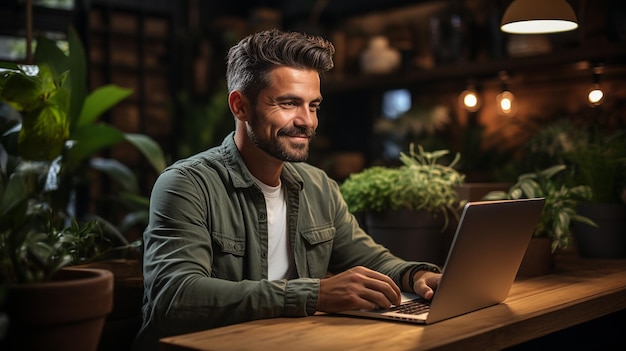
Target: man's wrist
{"points": [[418, 268]]}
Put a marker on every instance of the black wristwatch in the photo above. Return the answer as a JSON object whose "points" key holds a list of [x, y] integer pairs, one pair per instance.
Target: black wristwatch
{"points": [[421, 267]]}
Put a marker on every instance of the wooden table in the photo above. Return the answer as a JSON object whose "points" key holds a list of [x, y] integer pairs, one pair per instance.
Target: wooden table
{"points": [[578, 291]]}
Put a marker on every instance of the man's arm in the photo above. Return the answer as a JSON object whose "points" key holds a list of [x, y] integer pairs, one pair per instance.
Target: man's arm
{"points": [[184, 289], [378, 284]]}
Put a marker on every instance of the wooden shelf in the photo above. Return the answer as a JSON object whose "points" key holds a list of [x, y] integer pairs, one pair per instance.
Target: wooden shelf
{"points": [[614, 53]]}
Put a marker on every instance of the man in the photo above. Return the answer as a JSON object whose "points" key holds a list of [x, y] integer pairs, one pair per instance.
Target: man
{"points": [[246, 230]]}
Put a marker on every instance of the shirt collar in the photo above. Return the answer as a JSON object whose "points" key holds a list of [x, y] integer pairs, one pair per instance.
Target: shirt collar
{"points": [[241, 176]]}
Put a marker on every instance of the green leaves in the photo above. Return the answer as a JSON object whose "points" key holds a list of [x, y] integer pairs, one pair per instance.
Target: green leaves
{"points": [[600, 163], [43, 134], [43, 250], [78, 78], [421, 183], [87, 140], [373, 189], [561, 203], [123, 176], [149, 148], [21, 91], [59, 132], [49, 53], [100, 101], [19, 187]]}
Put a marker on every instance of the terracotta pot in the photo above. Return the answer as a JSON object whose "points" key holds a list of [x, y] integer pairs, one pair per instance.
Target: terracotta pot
{"points": [[124, 321], [66, 313], [411, 235], [538, 259]]}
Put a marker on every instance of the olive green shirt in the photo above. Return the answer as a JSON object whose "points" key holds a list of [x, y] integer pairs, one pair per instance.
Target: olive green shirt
{"points": [[205, 247]]}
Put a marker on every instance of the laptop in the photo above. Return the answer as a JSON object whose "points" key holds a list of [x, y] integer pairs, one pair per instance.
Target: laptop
{"points": [[484, 257]]}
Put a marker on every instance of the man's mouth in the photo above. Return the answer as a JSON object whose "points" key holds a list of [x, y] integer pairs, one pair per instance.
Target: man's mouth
{"points": [[297, 134]]}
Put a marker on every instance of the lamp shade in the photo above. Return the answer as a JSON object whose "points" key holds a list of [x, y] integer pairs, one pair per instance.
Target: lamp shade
{"points": [[538, 16]]}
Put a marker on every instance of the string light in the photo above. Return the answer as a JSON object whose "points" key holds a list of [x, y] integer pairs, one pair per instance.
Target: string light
{"points": [[505, 101], [595, 95], [469, 99]]}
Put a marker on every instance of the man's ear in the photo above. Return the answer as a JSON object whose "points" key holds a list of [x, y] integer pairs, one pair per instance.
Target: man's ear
{"points": [[239, 105]]}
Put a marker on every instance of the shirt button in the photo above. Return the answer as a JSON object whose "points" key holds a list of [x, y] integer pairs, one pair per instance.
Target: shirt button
{"points": [[261, 217], [264, 254]]}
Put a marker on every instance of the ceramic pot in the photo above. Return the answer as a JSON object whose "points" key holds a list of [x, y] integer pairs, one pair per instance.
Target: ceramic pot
{"points": [[608, 240], [379, 57], [67, 313], [124, 321], [411, 235], [538, 259]]}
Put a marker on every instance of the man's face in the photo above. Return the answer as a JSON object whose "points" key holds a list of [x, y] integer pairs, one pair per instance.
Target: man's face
{"points": [[285, 117]]}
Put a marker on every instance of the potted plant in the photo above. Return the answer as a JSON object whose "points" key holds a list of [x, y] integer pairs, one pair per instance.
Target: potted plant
{"points": [[407, 208], [553, 231], [45, 152], [600, 162], [48, 305]]}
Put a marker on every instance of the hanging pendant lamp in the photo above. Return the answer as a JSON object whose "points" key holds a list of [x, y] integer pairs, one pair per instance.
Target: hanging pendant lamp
{"points": [[538, 17]]}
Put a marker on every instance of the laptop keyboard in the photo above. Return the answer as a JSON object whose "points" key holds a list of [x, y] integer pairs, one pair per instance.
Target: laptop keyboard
{"points": [[417, 306]]}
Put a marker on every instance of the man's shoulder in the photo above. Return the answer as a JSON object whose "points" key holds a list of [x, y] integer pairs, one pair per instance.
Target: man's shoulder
{"points": [[212, 157], [199, 165]]}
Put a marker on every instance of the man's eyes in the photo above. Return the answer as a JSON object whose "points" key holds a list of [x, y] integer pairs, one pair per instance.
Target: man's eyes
{"points": [[288, 105], [293, 104]]}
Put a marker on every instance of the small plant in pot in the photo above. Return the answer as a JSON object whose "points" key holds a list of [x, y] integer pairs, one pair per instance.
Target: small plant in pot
{"points": [[407, 208], [600, 162], [35, 254], [553, 231], [42, 294]]}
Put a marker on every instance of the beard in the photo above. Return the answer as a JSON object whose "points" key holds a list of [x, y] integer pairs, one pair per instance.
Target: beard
{"points": [[280, 146]]}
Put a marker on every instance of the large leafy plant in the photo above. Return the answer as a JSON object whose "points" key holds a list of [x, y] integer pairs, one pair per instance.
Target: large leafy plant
{"points": [[600, 162], [45, 156], [595, 155], [560, 208], [421, 182]]}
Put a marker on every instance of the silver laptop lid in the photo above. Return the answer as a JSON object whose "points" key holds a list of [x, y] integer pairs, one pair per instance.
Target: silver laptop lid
{"points": [[485, 255]]}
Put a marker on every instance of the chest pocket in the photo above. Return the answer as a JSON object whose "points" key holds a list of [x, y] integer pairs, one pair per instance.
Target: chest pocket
{"points": [[228, 256], [319, 245], [229, 244]]}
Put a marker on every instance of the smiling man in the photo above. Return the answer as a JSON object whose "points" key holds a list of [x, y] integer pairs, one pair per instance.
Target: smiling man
{"points": [[247, 230]]}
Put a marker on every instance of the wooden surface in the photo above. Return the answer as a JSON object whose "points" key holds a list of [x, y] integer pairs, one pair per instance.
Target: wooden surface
{"points": [[578, 291]]}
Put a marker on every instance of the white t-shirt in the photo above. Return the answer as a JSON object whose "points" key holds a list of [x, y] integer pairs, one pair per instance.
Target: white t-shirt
{"points": [[280, 255]]}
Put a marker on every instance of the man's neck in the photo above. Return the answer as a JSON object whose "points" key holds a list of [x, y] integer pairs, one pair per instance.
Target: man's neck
{"points": [[263, 166]]}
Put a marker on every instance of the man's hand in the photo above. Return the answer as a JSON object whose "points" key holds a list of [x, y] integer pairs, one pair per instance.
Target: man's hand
{"points": [[357, 288], [425, 283]]}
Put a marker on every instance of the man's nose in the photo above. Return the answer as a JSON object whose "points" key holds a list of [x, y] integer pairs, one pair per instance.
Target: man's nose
{"points": [[306, 117]]}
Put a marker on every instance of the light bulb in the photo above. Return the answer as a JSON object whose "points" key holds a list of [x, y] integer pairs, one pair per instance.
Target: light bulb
{"points": [[470, 100], [538, 16], [595, 96], [505, 104]]}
